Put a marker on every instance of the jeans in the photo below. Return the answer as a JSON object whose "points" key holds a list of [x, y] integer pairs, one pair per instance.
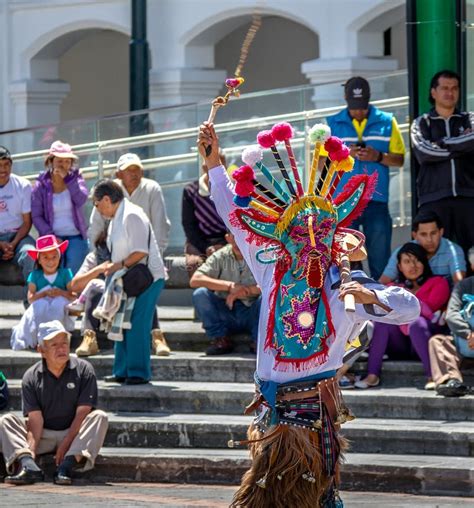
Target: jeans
{"points": [[377, 226], [77, 250], [218, 320], [462, 347], [21, 257]]}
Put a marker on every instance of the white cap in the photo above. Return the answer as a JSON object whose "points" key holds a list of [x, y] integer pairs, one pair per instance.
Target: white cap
{"points": [[49, 330], [128, 159]]}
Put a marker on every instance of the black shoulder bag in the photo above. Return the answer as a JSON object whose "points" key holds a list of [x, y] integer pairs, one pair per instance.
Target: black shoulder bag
{"points": [[138, 277]]}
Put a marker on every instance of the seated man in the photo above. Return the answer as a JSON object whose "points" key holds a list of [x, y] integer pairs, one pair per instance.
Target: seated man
{"points": [[59, 396], [227, 299], [446, 258], [15, 216], [203, 228], [447, 352]]}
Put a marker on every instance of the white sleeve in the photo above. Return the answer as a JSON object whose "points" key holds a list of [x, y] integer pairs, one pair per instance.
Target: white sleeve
{"points": [[96, 225], [405, 306], [223, 197], [159, 219], [26, 198]]}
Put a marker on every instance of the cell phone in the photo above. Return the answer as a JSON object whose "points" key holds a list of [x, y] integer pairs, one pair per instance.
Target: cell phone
{"points": [[361, 144]]}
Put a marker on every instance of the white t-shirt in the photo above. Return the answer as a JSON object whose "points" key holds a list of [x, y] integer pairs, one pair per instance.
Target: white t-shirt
{"points": [[15, 200], [130, 231], [63, 219]]}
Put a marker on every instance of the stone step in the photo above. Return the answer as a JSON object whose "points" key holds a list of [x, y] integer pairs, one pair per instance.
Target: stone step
{"points": [[181, 334], [418, 437], [196, 366], [429, 475], [231, 398]]}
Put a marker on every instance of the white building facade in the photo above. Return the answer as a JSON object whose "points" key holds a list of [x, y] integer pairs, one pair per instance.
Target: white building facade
{"points": [[68, 59]]}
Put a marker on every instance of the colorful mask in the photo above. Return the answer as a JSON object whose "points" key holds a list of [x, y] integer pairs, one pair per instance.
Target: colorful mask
{"points": [[304, 232]]}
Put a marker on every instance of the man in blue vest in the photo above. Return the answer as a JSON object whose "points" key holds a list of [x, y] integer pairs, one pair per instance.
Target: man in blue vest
{"points": [[376, 144]]}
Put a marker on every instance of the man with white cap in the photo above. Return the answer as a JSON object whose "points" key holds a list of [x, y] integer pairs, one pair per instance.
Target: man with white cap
{"points": [[147, 194], [59, 397]]}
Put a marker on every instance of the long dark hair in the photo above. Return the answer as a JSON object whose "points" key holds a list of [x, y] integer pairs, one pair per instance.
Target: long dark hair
{"points": [[420, 254]]}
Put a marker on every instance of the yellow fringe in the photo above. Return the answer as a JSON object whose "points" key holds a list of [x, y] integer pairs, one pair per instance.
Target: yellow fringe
{"points": [[300, 204]]}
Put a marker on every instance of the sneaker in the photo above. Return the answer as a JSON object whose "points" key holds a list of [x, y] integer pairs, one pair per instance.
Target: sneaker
{"points": [[88, 345], [362, 384], [452, 388], [220, 346], [159, 345], [75, 306], [345, 383]]}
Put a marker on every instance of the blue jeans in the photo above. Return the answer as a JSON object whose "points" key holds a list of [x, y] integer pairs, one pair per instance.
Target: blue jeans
{"points": [[377, 226], [77, 250], [218, 320], [132, 355], [463, 348]]}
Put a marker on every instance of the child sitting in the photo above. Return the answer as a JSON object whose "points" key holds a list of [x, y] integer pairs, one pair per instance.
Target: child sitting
{"points": [[48, 293]]}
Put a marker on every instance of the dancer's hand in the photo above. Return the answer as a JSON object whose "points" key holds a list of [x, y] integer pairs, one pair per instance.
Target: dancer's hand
{"points": [[207, 137], [361, 294]]}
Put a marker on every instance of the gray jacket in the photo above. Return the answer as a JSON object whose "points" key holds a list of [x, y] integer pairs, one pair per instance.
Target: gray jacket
{"points": [[456, 323]]}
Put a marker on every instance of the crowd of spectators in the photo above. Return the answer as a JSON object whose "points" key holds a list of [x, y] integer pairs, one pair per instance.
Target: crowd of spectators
{"points": [[116, 285]]}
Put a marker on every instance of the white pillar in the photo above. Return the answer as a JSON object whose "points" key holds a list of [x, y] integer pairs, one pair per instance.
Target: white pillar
{"points": [[37, 101]]}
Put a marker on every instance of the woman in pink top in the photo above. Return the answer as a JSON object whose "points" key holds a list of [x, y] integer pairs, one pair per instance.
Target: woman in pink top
{"points": [[414, 273]]}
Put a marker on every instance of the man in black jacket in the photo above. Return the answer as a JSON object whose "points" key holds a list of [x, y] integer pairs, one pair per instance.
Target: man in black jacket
{"points": [[443, 143]]}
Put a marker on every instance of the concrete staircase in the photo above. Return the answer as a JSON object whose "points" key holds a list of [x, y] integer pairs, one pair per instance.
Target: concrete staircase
{"points": [[176, 429]]}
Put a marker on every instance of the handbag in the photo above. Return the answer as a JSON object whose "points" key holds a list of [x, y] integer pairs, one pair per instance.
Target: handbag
{"points": [[138, 277], [4, 395]]}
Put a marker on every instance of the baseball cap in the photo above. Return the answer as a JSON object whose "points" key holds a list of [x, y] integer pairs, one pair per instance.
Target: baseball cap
{"points": [[128, 159], [49, 330], [357, 93], [5, 153]]}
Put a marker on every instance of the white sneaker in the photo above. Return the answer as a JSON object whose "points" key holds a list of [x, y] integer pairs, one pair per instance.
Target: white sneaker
{"points": [[363, 385], [75, 306]]}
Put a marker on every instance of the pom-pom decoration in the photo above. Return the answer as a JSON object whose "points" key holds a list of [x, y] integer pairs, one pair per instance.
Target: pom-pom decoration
{"points": [[319, 133], [333, 144], [346, 164], [265, 139], [242, 201], [244, 177], [282, 131], [234, 82], [251, 155], [341, 154]]}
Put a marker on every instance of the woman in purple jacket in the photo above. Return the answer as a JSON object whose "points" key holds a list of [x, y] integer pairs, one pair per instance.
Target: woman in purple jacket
{"points": [[57, 203]]}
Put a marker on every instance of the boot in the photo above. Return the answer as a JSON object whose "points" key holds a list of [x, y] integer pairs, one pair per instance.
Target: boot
{"points": [[88, 345], [159, 345]]}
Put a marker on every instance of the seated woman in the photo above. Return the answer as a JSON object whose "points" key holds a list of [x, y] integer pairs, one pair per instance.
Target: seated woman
{"points": [[414, 274], [57, 203]]}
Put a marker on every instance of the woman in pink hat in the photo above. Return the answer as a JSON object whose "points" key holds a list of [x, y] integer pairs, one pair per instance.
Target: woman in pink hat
{"points": [[57, 203], [48, 292]]}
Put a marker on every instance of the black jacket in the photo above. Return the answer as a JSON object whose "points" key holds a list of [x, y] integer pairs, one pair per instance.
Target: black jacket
{"points": [[445, 154]]}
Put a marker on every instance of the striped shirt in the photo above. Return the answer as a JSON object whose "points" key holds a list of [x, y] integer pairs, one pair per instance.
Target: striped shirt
{"points": [[201, 222]]}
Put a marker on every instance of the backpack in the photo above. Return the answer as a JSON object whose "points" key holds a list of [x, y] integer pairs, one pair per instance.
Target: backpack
{"points": [[4, 397]]}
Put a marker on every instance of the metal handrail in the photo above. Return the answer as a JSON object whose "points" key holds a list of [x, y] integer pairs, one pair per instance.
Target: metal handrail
{"points": [[148, 139]]}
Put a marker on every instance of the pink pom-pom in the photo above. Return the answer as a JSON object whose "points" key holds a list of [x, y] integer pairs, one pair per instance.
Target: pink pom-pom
{"points": [[265, 139], [244, 173], [234, 82], [282, 131], [333, 144], [341, 154], [244, 188]]}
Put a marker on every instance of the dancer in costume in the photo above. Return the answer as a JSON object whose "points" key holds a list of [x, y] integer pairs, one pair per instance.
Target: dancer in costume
{"points": [[294, 241]]}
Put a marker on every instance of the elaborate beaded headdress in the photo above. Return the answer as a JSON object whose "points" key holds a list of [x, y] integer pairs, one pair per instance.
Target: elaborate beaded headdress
{"points": [[304, 230]]}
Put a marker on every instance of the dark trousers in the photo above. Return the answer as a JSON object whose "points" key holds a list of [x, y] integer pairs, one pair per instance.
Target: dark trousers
{"points": [[457, 215]]}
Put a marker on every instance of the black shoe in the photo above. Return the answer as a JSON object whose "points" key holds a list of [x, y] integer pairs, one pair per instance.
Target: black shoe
{"points": [[25, 477], [136, 381], [220, 346], [62, 477], [114, 379], [452, 388]]}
